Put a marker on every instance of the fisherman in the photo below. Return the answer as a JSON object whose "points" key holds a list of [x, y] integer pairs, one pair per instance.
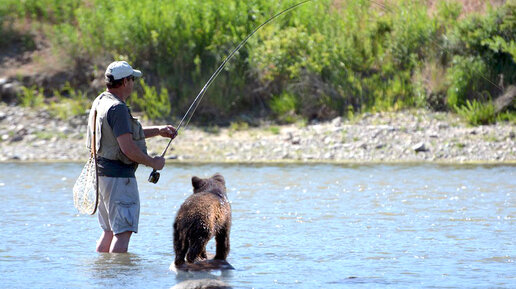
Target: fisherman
{"points": [[120, 145]]}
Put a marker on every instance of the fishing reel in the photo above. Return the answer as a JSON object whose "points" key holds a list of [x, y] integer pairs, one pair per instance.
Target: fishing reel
{"points": [[154, 176]]}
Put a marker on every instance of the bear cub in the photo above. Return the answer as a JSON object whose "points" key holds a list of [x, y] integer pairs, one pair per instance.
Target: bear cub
{"points": [[203, 215]]}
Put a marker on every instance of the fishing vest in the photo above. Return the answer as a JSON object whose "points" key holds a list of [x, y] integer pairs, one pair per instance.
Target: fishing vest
{"points": [[106, 142]]}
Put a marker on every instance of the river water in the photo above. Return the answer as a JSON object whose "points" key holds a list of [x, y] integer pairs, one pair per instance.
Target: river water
{"points": [[294, 226]]}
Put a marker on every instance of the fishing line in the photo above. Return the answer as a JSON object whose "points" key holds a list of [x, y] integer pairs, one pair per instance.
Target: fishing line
{"points": [[217, 72], [154, 176]]}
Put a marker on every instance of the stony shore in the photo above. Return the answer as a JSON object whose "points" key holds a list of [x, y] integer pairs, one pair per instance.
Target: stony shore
{"points": [[401, 137]]}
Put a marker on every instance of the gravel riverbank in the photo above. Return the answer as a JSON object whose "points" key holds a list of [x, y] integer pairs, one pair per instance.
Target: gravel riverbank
{"points": [[408, 136]]}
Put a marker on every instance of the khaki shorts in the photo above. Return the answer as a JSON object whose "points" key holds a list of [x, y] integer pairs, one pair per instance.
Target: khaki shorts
{"points": [[119, 204]]}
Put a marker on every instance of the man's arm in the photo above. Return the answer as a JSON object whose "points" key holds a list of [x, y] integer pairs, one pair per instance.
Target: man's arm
{"points": [[132, 151], [164, 131]]}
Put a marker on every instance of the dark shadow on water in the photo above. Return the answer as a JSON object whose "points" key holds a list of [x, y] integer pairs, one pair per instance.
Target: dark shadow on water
{"points": [[203, 274], [360, 280]]}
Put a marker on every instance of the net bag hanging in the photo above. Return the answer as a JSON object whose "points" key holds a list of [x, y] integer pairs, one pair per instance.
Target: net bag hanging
{"points": [[86, 187]]}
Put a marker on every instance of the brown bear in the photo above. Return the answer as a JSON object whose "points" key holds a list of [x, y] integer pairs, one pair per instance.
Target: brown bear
{"points": [[203, 215]]}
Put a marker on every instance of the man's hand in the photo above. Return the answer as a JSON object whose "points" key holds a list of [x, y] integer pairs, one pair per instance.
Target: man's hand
{"points": [[158, 163], [162, 130], [134, 153], [168, 131]]}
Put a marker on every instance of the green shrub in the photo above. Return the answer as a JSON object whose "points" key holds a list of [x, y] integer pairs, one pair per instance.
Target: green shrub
{"points": [[66, 108], [482, 48], [32, 97], [154, 105], [284, 107], [66, 103], [508, 116], [328, 55], [465, 77], [274, 130], [53, 11], [69, 103], [238, 126], [477, 113]]}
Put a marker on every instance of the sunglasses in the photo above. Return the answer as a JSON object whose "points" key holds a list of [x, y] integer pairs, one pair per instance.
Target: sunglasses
{"points": [[130, 77]]}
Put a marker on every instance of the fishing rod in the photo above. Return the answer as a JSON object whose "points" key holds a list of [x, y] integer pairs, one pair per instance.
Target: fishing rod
{"points": [[154, 175]]}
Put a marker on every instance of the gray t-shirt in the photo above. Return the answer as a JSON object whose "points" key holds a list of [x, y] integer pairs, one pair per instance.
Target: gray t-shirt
{"points": [[119, 119]]}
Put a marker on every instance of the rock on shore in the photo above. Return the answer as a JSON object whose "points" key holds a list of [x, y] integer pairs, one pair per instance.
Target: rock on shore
{"points": [[407, 136]]}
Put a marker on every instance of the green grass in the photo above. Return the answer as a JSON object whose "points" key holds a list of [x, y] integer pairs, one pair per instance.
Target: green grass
{"points": [[31, 96], [275, 130], [476, 113], [212, 129], [238, 126], [324, 59], [47, 135], [66, 103]]}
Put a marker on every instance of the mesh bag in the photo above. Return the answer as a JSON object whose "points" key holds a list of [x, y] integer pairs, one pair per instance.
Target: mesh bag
{"points": [[86, 187], [85, 197]]}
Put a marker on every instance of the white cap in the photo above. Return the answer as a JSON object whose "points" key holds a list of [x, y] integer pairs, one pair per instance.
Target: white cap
{"points": [[121, 69]]}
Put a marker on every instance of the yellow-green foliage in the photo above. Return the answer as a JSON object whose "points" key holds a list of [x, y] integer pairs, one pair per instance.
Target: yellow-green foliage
{"points": [[238, 126], [331, 55], [69, 103], [154, 105], [64, 107], [477, 113], [285, 107], [31, 96]]}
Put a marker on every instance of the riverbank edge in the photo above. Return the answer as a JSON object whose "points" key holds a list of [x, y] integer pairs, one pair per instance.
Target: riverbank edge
{"points": [[296, 162], [403, 137]]}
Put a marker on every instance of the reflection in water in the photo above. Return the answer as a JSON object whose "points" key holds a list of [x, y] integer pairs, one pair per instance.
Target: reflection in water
{"points": [[112, 265], [202, 284], [201, 279]]}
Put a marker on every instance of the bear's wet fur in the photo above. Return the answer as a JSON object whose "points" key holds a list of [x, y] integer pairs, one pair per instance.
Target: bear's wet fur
{"points": [[203, 215]]}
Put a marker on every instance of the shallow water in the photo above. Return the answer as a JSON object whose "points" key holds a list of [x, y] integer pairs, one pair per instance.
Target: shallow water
{"points": [[314, 226]]}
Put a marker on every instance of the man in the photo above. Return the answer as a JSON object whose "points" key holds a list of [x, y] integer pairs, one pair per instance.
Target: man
{"points": [[120, 145]]}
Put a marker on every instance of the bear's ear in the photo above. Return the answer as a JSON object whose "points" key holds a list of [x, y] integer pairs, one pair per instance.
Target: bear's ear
{"points": [[219, 178], [197, 182]]}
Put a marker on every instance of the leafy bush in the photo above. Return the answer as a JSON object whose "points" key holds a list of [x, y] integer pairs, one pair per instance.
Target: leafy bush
{"points": [[53, 11], [154, 105], [326, 56], [31, 96], [507, 116], [284, 107], [477, 113], [482, 60], [238, 126], [69, 103], [465, 75]]}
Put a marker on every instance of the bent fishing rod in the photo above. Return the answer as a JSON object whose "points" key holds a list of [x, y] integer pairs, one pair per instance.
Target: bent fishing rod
{"points": [[154, 175]]}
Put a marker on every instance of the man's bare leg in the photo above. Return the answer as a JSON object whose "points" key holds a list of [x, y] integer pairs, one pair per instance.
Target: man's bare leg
{"points": [[104, 243], [120, 242]]}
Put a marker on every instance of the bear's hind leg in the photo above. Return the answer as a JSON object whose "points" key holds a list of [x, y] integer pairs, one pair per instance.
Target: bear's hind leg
{"points": [[203, 254], [222, 240], [180, 248], [197, 247]]}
